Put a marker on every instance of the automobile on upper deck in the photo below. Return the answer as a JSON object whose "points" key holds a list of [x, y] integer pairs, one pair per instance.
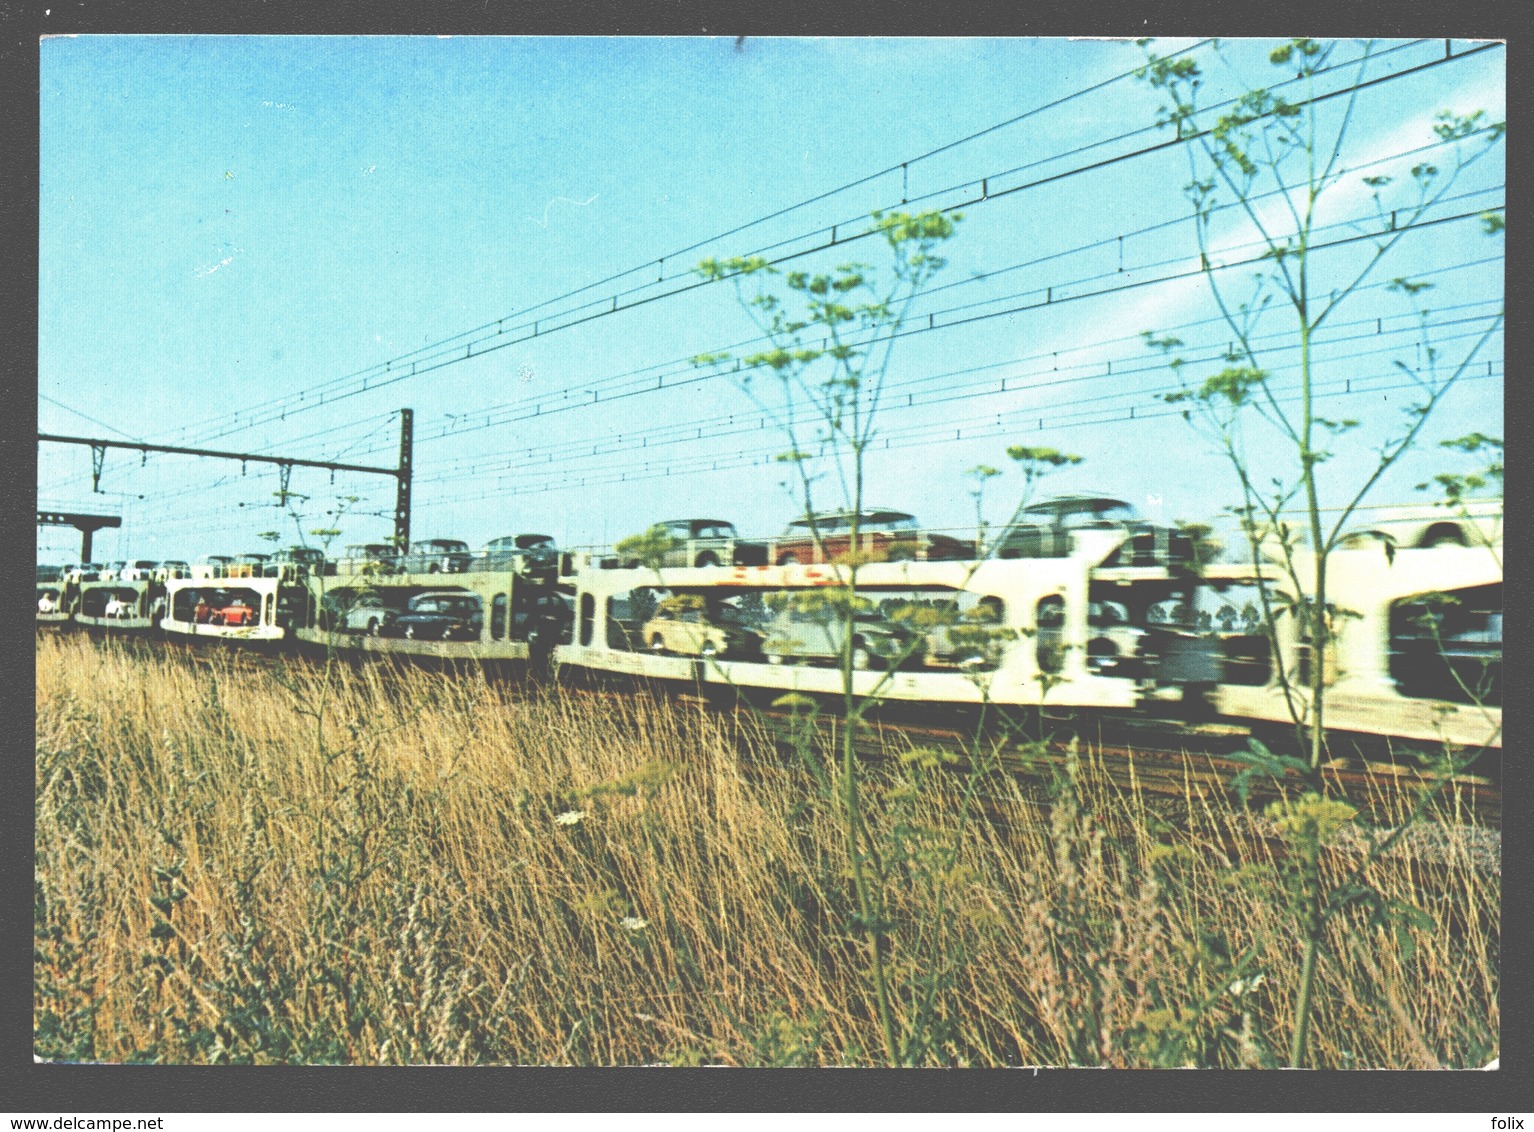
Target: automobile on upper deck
{"points": [[1429, 527], [172, 568], [1045, 530], [212, 566], [709, 542], [369, 558], [113, 570], [883, 534], [250, 565], [295, 561], [139, 570], [438, 556], [439, 617], [528, 553], [84, 572]]}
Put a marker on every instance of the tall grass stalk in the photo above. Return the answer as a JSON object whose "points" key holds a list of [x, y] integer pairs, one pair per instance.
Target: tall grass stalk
{"points": [[477, 874]]}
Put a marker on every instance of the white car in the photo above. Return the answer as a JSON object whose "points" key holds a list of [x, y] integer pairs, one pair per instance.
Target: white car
{"points": [[141, 570]]}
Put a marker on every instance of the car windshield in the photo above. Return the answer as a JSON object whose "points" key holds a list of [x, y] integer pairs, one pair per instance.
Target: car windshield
{"points": [[527, 542]]}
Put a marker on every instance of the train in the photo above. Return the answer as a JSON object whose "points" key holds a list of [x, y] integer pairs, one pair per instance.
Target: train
{"points": [[1111, 615]]}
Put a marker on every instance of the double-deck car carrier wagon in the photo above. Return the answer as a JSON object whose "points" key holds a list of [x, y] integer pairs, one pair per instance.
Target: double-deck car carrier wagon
{"points": [[1056, 631], [480, 615], [131, 606], [1416, 650], [240, 608]]}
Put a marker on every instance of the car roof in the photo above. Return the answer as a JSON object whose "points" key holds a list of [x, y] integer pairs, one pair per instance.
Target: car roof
{"points": [[1076, 503], [873, 513]]}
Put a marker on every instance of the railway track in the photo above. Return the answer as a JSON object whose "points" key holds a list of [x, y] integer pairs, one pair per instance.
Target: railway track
{"points": [[1174, 765]]}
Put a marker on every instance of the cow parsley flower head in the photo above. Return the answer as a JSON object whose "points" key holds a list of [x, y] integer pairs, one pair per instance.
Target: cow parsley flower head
{"points": [[569, 817], [634, 923]]}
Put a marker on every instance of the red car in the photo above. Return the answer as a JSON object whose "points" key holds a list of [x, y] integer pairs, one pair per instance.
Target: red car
{"points": [[235, 613], [886, 535], [221, 609]]}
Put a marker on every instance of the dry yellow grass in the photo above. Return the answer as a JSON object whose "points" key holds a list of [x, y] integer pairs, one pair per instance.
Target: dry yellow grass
{"points": [[220, 880]]}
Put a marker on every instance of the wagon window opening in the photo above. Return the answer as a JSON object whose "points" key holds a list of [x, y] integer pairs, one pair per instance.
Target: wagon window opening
{"points": [[1050, 648], [498, 617], [1448, 646], [588, 617]]}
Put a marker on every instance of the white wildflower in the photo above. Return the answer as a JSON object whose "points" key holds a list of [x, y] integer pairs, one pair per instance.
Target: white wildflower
{"points": [[634, 923], [1246, 986], [570, 817]]}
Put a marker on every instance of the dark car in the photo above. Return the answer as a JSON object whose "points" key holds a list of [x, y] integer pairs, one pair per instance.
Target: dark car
{"points": [[439, 617], [528, 554], [1045, 529], [438, 556], [886, 535]]}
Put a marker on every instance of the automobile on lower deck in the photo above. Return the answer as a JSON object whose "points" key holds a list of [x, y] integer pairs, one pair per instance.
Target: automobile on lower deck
{"points": [[438, 556], [884, 534], [439, 617], [685, 625], [797, 634], [367, 613], [221, 607]]}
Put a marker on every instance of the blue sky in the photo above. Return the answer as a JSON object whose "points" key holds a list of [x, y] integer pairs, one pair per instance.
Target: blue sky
{"points": [[230, 223]]}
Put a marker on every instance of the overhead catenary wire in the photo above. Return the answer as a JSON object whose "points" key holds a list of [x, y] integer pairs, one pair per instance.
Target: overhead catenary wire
{"points": [[379, 376], [745, 426], [931, 325], [934, 436], [673, 255], [902, 395]]}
